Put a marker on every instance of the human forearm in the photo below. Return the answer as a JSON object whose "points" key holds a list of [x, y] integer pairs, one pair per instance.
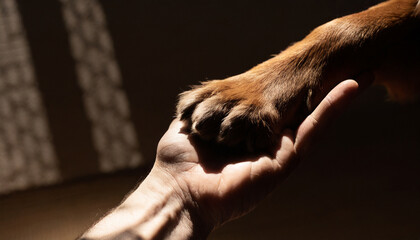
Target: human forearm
{"points": [[157, 209]]}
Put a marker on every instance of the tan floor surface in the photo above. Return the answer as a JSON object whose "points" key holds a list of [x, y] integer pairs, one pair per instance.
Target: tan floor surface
{"points": [[62, 212]]}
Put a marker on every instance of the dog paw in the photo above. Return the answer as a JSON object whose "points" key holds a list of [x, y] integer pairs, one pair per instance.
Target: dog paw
{"points": [[248, 110]]}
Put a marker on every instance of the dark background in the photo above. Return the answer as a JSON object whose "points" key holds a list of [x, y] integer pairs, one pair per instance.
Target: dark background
{"points": [[361, 180]]}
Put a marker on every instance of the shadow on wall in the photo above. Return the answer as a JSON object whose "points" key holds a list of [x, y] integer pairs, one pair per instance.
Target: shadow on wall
{"points": [[57, 125], [27, 155]]}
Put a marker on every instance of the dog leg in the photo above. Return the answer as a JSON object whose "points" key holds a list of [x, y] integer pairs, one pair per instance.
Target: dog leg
{"points": [[252, 108]]}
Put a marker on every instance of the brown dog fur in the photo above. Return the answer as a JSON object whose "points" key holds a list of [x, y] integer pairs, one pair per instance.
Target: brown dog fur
{"points": [[252, 108]]}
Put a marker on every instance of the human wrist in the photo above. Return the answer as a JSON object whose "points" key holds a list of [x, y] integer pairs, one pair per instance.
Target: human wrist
{"points": [[167, 216], [156, 209], [186, 218]]}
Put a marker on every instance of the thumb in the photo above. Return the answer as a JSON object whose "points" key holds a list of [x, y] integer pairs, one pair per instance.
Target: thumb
{"points": [[330, 107]]}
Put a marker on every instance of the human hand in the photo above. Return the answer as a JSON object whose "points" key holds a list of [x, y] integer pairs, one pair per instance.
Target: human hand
{"points": [[195, 187], [218, 185]]}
